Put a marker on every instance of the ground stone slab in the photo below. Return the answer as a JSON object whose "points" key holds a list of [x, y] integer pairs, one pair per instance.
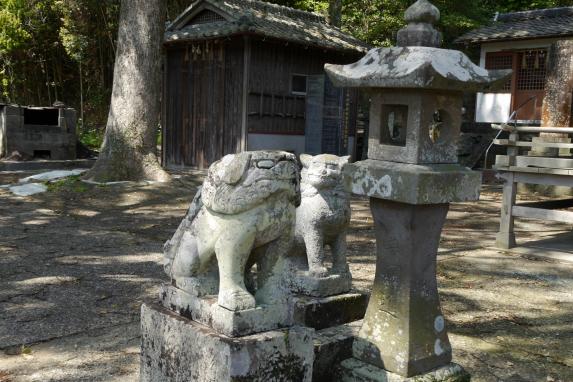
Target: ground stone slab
{"points": [[175, 348], [353, 370]]}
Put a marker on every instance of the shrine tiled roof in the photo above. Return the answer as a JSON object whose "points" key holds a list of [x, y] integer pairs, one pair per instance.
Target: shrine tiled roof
{"points": [[543, 23], [207, 19]]}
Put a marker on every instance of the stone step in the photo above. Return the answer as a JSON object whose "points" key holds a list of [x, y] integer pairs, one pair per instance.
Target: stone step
{"points": [[332, 346], [324, 312]]}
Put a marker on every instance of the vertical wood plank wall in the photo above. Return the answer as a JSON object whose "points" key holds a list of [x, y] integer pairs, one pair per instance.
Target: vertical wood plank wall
{"points": [[203, 103], [272, 107], [204, 89]]}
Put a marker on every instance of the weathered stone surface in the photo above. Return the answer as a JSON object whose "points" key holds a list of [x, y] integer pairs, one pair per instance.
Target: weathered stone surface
{"points": [[353, 370], [322, 220], [332, 346], [244, 214], [417, 67], [414, 184], [421, 17], [321, 313], [175, 348], [330, 285], [404, 330], [428, 132], [206, 311]]}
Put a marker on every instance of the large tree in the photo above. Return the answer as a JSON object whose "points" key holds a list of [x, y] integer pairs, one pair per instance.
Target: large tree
{"points": [[129, 148]]}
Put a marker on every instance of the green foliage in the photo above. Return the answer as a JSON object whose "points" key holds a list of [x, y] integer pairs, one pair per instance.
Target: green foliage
{"points": [[91, 137], [45, 43]]}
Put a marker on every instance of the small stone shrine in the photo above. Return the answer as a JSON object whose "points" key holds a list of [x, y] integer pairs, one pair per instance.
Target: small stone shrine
{"points": [[411, 176]]}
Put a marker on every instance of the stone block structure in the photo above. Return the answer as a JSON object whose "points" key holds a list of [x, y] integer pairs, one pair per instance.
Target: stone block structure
{"points": [[411, 176], [34, 132]]}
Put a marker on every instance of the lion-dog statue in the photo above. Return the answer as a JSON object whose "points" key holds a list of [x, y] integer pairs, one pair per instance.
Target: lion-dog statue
{"points": [[324, 214], [244, 214]]}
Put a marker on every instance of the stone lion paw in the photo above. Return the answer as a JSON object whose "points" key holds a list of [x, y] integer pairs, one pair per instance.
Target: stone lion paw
{"points": [[318, 271], [236, 299], [341, 269]]}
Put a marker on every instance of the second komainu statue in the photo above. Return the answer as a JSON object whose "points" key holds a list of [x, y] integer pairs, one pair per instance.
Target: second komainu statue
{"points": [[244, 214]]}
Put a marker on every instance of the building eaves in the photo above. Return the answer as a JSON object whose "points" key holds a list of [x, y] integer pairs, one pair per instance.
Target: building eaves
{"points": [[268, 20], [524, 25]]}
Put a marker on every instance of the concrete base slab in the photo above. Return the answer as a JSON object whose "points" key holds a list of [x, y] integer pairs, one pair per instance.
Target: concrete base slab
{"points": [[331, 285], [326, 312], [206, 311], [175, 348], [353, 370]]}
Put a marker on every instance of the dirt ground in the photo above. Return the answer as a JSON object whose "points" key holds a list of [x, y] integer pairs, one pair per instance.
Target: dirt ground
{"points": [[77, 262]]}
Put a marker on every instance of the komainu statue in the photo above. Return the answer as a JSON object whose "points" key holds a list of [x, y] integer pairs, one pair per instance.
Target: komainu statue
{"points": [[324, 214], [244, 214]]}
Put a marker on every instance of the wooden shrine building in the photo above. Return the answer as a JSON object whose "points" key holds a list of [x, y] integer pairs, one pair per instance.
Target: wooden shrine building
{"points": [[248, 75], [519, 41]]}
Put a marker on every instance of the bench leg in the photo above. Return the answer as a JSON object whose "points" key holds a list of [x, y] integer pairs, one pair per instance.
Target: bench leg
{"points": [[506, 236]]}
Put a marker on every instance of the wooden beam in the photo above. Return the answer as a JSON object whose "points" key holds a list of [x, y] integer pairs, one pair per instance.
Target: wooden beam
{"points": [[542, 214], [544, 179], [164, 111], [533, 129], [507, 142], [245, 101], [543, 162]]}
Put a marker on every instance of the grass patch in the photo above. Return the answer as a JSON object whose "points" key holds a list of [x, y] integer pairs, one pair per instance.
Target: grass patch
{"points": [[70, 184]]}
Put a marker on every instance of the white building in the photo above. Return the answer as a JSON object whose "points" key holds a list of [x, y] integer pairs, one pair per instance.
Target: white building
{"points": [[518, 41]]}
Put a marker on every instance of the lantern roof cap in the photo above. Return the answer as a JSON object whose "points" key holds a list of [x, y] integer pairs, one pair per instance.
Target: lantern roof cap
{"points": [[417, 67]]}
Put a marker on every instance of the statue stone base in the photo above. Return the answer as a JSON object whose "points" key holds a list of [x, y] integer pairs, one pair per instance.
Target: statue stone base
{"points": [[301, 281], [206, 311], [352, 370], [175, 348]]}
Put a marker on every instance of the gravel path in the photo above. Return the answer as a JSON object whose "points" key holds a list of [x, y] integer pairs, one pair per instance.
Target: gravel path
{"points": [[77, 262]]}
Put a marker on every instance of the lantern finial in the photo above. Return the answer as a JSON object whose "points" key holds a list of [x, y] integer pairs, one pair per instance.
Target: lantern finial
{"points": [[421, 18]]}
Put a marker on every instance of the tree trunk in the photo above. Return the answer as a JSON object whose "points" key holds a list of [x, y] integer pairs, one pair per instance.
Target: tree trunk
{"points": [[129, 148], [558, 98], [559, 86], [335, 12]]}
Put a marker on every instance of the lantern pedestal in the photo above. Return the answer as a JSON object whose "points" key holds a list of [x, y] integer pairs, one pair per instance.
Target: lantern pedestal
{"points": [[404, 332]]}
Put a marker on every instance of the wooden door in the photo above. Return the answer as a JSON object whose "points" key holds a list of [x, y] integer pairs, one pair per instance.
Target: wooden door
{"points": [[527, 84], [195, 105], [530, 76]]}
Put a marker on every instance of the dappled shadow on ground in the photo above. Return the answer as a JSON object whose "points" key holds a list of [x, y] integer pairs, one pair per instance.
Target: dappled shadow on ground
{"points": [[83, 258], [76, 263]]}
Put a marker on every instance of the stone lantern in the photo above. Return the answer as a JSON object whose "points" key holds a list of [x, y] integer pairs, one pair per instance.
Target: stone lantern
{"points": [[411, 176]]}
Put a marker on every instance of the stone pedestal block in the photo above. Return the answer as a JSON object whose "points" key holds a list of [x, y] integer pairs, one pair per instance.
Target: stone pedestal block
{"points": [[175, 348], [304, 283], [326, 312], [206, 311], [404, 330], [332, 346], [353, 370]]}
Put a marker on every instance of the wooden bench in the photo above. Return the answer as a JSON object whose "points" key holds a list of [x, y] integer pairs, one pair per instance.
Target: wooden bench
{"points": [[515, 168]]}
